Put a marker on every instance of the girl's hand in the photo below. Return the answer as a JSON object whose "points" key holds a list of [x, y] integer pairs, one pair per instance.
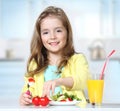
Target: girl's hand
{"points": [[49, 86], [25, 99]]}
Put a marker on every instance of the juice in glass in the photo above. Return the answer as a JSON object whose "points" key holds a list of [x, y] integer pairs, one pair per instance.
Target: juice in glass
{"points": [[95, 91]]}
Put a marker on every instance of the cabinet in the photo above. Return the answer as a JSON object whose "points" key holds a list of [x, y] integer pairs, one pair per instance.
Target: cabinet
{"points": [[112, 79], [11, 78]]}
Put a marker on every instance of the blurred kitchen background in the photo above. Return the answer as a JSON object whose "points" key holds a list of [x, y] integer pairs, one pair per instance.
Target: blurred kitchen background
{"points": [[95, 23]]}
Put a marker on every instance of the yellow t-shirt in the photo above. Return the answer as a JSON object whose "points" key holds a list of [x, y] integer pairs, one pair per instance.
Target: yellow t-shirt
{"points": [[77, 68]]}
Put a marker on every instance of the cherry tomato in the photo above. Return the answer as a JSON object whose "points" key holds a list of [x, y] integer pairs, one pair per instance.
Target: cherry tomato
{"points": [[44, 101], [36, 100]]}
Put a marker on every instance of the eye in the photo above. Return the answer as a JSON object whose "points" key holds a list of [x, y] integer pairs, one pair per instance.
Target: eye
{"points": [[45, 33], [59, 30]]}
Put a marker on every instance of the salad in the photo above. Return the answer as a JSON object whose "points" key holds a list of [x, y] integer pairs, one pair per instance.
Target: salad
{"points": [[65, 97]]}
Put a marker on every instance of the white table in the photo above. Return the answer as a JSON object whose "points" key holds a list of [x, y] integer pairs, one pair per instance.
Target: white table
{"points": [[13, 105]]}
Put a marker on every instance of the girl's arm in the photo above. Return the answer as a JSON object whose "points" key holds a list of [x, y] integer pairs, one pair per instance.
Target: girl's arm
{"points": [[50, 85], [67, 82]]}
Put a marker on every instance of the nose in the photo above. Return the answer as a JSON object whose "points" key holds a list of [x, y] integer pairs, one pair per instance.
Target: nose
{"points": [[52, 36]]}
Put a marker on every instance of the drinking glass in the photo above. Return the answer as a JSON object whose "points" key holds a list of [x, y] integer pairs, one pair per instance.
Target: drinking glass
{"points": [[95, 90]]}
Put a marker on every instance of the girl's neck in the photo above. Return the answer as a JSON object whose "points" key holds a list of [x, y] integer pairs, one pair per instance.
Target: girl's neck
{"points": [[54, 59]]}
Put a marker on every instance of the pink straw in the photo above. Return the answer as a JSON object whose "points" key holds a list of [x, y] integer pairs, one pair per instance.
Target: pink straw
{"points": [[102, 74]]}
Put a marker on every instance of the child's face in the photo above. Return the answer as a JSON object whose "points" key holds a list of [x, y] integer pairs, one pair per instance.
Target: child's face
{"points": [[53, 34]]}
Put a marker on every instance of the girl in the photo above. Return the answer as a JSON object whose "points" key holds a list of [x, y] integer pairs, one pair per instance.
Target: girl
{"points": [[53, 63]]}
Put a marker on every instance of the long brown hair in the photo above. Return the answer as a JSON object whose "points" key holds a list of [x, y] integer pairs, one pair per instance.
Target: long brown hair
{"points": [[39, 52]]}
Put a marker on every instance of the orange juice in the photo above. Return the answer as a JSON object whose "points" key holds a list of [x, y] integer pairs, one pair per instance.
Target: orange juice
{"points": [[95, 91]]}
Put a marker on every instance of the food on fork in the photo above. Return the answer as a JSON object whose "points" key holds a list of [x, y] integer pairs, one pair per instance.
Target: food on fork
{"points": [[31, 81]]}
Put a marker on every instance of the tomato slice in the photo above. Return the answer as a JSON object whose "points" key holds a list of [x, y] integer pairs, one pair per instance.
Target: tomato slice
{"points": [[69, 99], [63, 100], [31, 80]]}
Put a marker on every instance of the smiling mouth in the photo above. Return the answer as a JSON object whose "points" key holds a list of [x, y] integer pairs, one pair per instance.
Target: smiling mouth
{"points": [[54, 43]]}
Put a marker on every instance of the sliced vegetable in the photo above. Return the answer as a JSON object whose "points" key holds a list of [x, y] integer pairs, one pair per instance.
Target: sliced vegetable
{"points": [[65, 97], [62, 100]]}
